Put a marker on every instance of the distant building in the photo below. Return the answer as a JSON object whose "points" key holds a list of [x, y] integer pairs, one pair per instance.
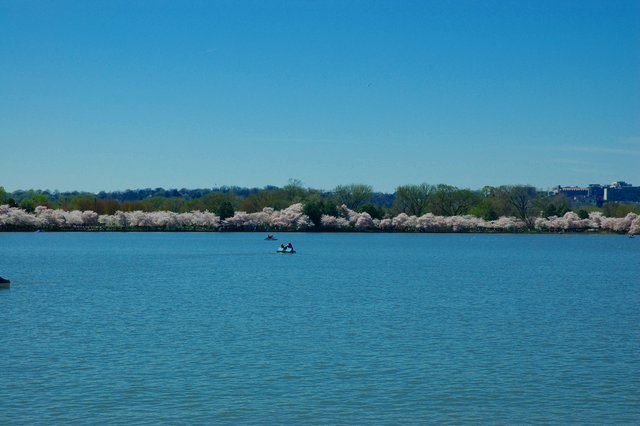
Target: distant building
{"points": [[622, 192], [620, 184], [572, 191], [580, 195], [596, 194]]}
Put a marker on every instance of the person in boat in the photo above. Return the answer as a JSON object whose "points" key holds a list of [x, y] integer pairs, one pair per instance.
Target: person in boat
{"points": [[286, 248], [269, 237]]}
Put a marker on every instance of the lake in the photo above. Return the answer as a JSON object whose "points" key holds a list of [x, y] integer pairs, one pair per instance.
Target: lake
{"points": [[201, 328]]}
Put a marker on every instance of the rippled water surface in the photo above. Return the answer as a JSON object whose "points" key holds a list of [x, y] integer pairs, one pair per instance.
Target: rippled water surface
{"points": [[179, 328]]}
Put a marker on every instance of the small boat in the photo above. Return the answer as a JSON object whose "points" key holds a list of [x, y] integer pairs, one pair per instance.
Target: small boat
{"points": [[285, 251], [4, 283], [271, 238]]}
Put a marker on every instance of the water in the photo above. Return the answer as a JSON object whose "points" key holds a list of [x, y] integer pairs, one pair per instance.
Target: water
{"points": [[201, 328]]}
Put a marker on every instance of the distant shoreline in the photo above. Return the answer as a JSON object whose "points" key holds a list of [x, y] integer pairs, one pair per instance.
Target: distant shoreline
{"points": [[294, 219], [24, 230]]}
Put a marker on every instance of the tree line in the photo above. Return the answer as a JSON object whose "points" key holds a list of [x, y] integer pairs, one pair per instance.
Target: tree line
{"points": [[293, 218], [524, 202]]}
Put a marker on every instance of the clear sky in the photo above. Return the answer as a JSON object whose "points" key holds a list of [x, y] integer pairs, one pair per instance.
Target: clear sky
{"points": [[112, 95]]}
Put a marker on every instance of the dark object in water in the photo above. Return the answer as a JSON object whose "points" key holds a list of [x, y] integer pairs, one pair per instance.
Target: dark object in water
{"points": [[4, 283]]}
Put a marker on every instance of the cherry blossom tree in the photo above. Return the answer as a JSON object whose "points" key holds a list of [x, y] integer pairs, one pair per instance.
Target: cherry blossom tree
{"points": [[634, 226], [293, 218], [332, 222], [364, 222], [14, 216]]}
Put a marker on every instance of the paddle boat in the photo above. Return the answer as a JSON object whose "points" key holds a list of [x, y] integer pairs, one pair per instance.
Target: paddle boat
{"points": [[286, 249], [4, 283]]}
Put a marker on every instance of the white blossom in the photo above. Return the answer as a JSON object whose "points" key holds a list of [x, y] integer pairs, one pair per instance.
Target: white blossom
{"points": [[364, 222], [293, 218]]}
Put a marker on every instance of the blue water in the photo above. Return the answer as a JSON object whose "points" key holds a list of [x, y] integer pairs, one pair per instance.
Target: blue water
{"points": [[201, 328]]}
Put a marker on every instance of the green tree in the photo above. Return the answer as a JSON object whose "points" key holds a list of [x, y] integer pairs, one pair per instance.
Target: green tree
{"points": [[294, 191], [412, 199], [159, 203], [487, 205], [225, 210], [488, 192], [374, 211], [353, 196], [275, 198], [108, 206], [35, 200], [556, 205], [130, 206], [316, 205], [550, 210], [520, 199], [314, 210], [447, 200], [85, 202], [212, 202], [619, 210], [28, 205], [485, 210]]}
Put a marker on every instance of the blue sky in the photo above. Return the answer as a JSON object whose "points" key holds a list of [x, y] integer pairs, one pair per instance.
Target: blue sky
{"points": [[111, 95]]}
